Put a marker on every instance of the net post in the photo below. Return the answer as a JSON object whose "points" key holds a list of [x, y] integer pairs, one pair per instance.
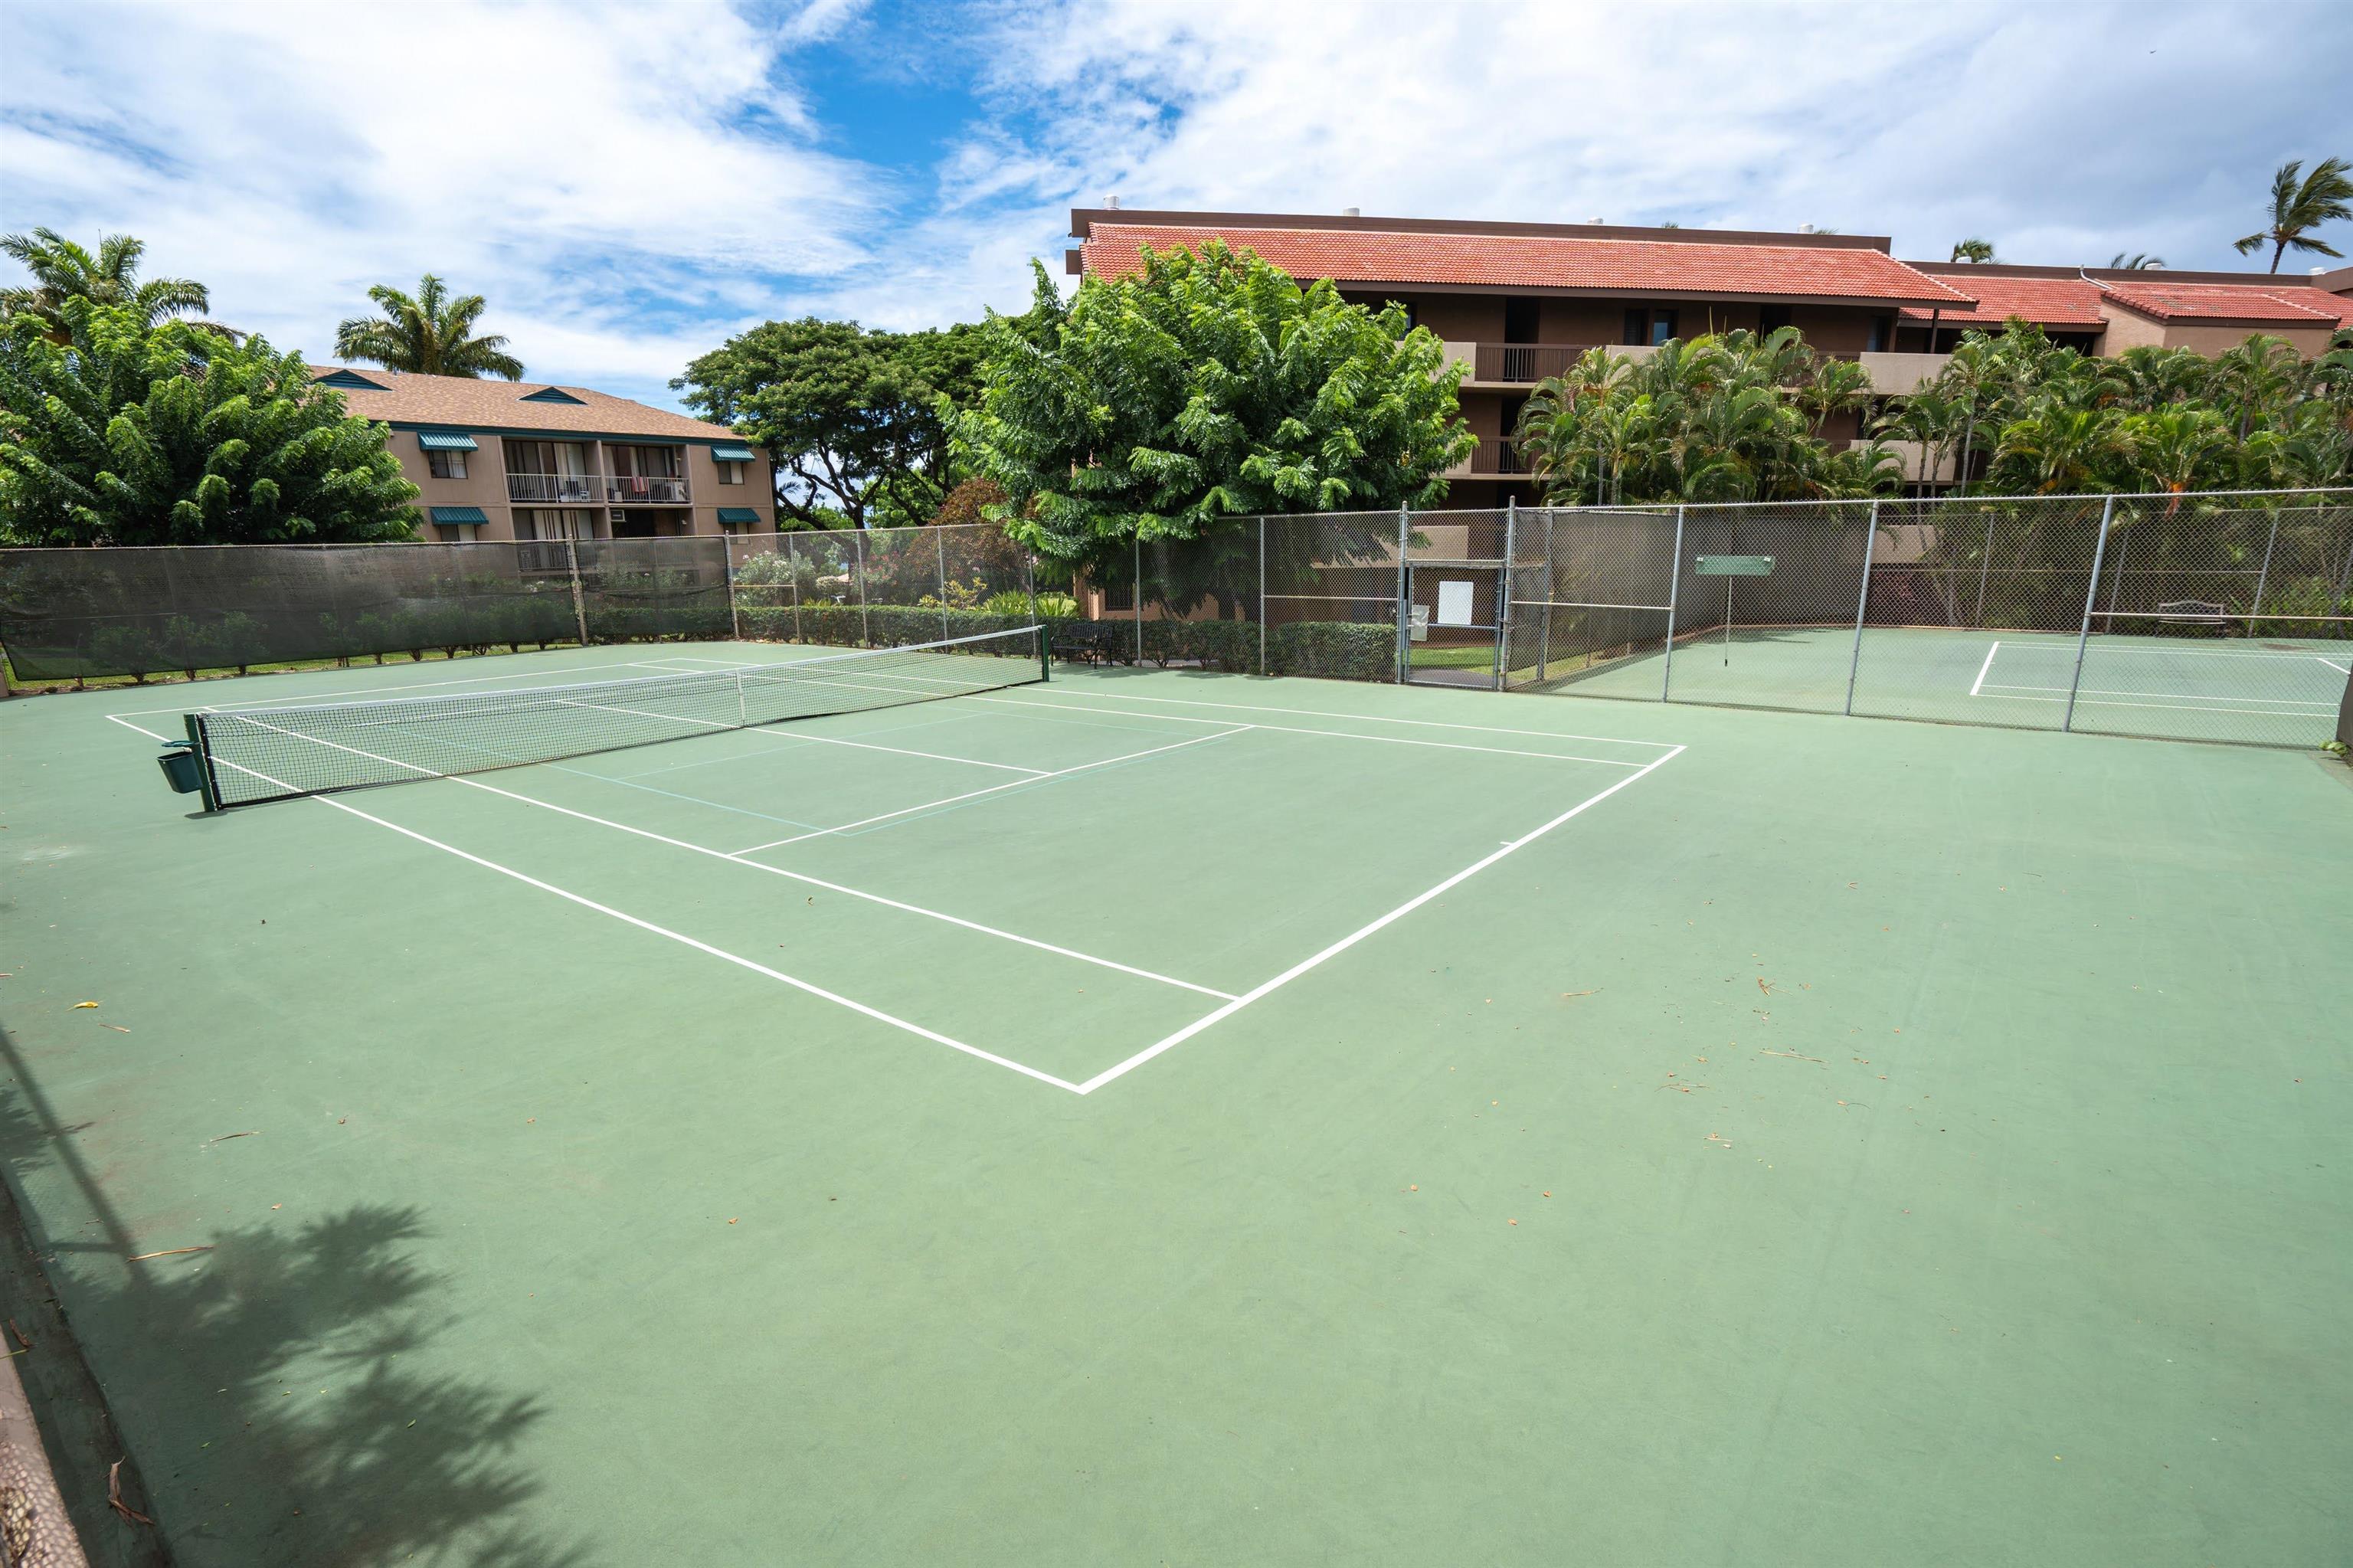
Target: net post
{"points": [[579, 604], [1861, 603], [1045, 653], [2091, 597], [1404, 610], [208, 786], [1503, 594], [742, 719], [1262, 593], [1674, 580], [2263, 575]]}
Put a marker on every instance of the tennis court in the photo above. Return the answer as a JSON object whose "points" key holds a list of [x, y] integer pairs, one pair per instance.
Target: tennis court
{"points": [[1144, 1115]]}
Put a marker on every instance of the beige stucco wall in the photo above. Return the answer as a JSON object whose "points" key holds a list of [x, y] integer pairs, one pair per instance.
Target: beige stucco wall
{"points": [[485, 486], [2130, 329]]}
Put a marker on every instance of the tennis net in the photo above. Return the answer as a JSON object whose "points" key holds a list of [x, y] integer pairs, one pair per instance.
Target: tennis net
{"points": [[275, 754]]}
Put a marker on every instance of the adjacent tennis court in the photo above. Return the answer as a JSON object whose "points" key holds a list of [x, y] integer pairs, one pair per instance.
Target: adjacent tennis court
{"points": [[740, 1102]]}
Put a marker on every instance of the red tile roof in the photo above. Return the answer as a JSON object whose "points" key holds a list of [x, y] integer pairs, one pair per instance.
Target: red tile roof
{"points": [[2226, 303], [2046, 302], [1542, 261]]}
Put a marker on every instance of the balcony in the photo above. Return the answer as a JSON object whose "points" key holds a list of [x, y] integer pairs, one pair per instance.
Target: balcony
{"points": [[551, 488], [629, 489], [1526, 364], [1490, 460]]}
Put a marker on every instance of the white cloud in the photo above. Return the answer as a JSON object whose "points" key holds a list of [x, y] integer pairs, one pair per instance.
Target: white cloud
{"points": [[631, 182]]}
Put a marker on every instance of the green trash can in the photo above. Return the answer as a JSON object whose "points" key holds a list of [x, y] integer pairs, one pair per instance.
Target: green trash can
{"points": [[180, 768]]}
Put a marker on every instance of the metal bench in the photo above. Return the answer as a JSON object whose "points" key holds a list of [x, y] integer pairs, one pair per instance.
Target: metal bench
{"points": [[2191, 612], [1092, 643]]}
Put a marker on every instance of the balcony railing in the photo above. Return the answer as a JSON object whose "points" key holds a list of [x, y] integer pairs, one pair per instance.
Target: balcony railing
{"points": [[1526, 364], [552, 487], [627, 490], [1490, 460]]}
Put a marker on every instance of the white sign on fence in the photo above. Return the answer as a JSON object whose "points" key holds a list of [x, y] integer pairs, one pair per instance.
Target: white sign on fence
{"points": [[1453, 603]]}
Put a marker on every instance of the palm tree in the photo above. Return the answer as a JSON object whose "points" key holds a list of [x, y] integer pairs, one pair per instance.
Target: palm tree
{"points": [[63, 271], [1973, 250], [431, 335], [2299, 207], [2138, 261]]}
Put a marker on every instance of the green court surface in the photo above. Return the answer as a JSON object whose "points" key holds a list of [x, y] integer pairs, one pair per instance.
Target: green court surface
{"points": [[2271, 690], [1163, 1118]]}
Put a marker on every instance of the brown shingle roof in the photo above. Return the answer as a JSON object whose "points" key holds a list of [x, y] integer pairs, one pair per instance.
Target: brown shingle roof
{"points": [[2226, 303], [463, 403], [1541, 261]]}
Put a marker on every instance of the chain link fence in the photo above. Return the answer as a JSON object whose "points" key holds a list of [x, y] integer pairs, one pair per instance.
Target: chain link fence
{"points": [[2201, 616]]}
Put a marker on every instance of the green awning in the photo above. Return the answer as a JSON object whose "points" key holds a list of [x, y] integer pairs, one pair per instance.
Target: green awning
{"points": [[446, 442], [731, 454], [740, 516], [449, 515]]}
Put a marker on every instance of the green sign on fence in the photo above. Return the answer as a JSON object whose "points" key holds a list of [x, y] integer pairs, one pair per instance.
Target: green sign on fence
{"points": [[1735, 566]]}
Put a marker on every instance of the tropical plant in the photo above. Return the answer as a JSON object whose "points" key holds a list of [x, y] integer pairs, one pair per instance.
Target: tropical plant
{"points": [[2138, 261], [1973, 250], [429, 334], [1165, 407], [130, 433], [2299, 205], [63, 270], [853, 418], [1730, 416]]}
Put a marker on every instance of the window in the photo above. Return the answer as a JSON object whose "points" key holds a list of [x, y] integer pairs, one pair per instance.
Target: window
{"points": [[445, 465], [1771, 318], [1880, 332], [1520, 317], [1118, 596], [731, 473], [1649, 326]]}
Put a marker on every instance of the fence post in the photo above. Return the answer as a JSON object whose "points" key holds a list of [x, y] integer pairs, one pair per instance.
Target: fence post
{"points": [[727, 564], [1404, 610], [1985, 565], [1503, 594], [793, 574], [2263, 575], [1861, 603], [1544, 624], [1262, 593], [858, 568], [1674, 580], [579, 607], [940, 537], [2091, 597], [1135, 601]]}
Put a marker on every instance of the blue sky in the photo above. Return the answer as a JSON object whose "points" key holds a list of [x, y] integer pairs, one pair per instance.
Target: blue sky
{"points": [[629, 184]]}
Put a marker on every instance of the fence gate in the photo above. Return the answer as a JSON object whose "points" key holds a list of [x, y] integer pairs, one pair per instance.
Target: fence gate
{"points": [[1455, 597]]}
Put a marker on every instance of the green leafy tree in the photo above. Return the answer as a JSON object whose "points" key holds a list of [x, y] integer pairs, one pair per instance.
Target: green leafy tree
{"points": [[2138, 261], [133, 434], [857, 421], [1730, 416], [1156, 409], [429, 334], [1973, 250], [2300, 204], [63, 270]]}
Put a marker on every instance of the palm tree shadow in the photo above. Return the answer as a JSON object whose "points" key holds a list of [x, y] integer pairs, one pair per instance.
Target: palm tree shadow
{"points": [[275, 1392]]}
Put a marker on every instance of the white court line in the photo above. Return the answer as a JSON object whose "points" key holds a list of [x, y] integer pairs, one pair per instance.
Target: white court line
{"points": [[1336, 734], [723, 854], [2340, 668], [1350, 940], [2108, 650], [332, 697], [817, 990], [993, 788], [1362, 718], [1978, 684], [2171, 696], [2169, 707]]}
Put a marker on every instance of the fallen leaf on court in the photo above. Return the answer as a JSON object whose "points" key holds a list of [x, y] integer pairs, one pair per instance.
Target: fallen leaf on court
{"points": [[1547, 1195], [120, 1028], [1511, 1222], [81, 1004], [167, 1252], [1414, 1188], [731, 1222], [1567, 994], [1764, 985], [114, 1495], [225, 1136]]}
